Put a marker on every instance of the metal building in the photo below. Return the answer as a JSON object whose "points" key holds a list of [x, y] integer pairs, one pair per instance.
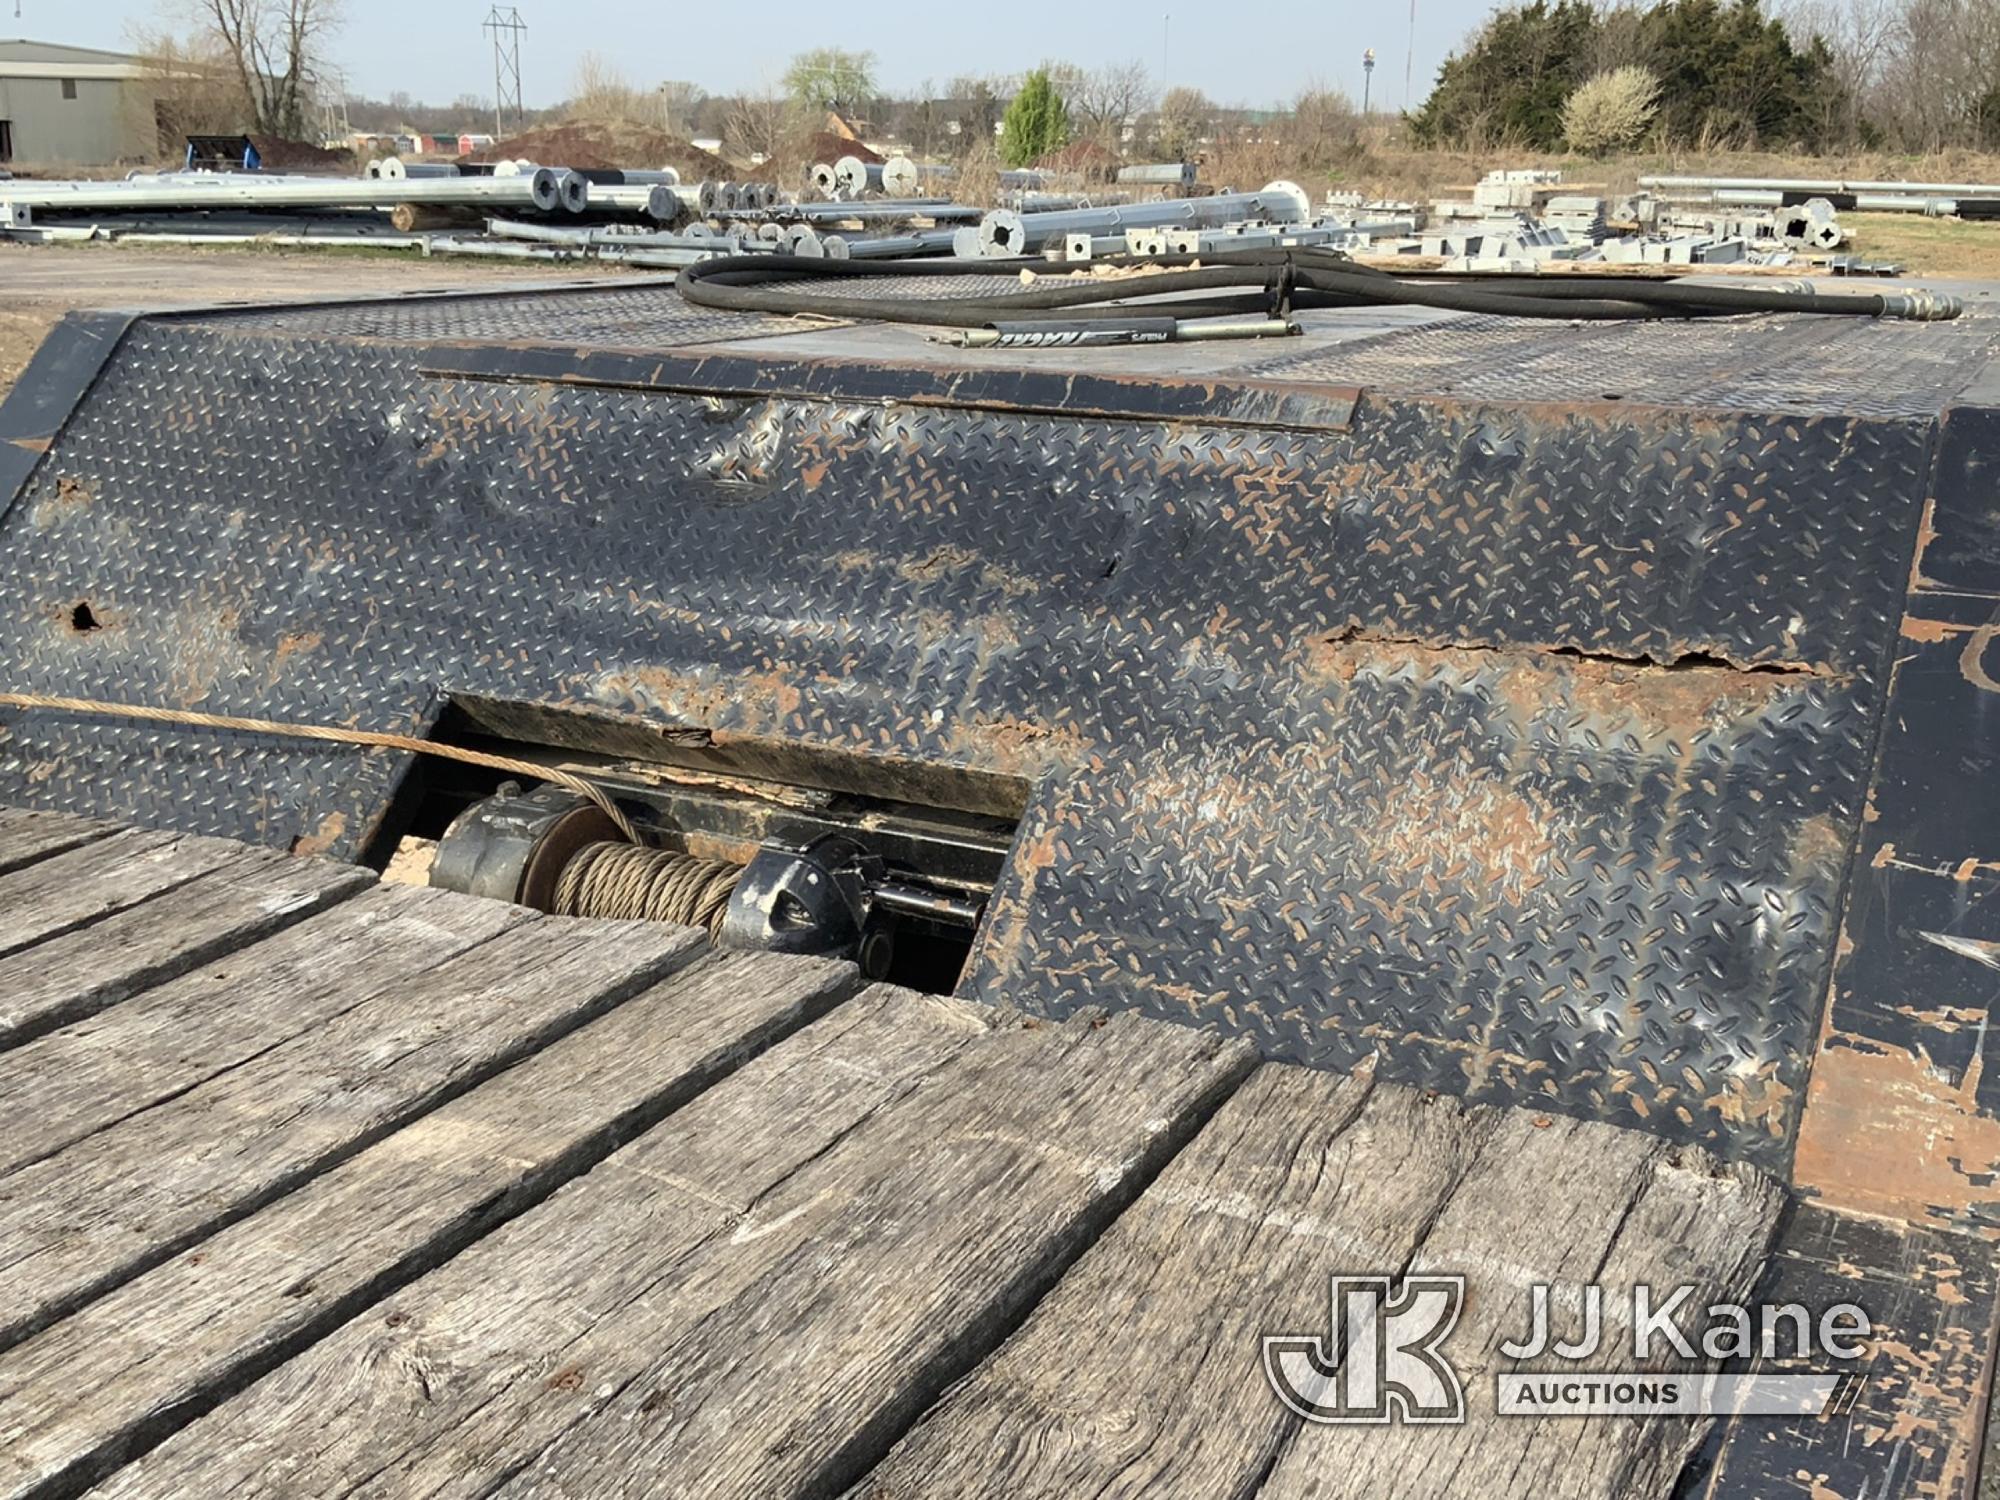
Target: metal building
{"points": [[72, 104]]}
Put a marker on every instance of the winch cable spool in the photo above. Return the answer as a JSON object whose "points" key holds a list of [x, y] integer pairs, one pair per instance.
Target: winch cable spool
{"points": [[631, 884], [1285, 280]]}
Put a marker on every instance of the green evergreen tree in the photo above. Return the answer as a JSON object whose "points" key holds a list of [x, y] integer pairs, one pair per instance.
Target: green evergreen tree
{"points": [[1508, 86], [1037, 122], [1729, 75]]}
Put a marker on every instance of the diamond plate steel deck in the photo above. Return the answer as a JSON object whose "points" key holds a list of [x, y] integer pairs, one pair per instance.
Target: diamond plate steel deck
{"points": [[1522, 746], [647, 315], [1774, 363]]}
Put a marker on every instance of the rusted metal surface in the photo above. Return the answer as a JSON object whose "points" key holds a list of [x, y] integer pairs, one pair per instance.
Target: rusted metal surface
{"points": [[1613, 750], [1522, 746], [1914, 1427], [1899, 1145], [1901, 1117]]}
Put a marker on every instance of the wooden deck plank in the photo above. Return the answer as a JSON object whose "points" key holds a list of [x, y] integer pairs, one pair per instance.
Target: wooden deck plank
{"points": [[1566, 1202], [247, 898], [121, 1200], [84, 885], [66, 1084], [130, 1368], [1139, 1374], [753, 1297], [27, 836]]}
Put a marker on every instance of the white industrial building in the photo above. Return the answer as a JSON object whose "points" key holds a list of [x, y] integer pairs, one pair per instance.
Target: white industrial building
{"points": [[75, 105]]}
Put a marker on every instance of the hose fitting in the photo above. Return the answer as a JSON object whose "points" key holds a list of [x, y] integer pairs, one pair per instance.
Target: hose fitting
{"points": [[1920, 305]]}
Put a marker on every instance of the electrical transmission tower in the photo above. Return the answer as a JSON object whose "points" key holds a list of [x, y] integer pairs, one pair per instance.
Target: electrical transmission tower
{"points": [[506, 25]]}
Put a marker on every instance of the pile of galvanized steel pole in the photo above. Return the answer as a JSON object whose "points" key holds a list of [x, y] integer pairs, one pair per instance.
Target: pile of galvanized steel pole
{"points": [[647, 216], [852, 207], [1962, 200]]}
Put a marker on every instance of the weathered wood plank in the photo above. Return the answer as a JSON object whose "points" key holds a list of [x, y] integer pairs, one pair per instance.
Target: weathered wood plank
{"points": [[1571, 1203], [85, 885], [247, 898], [1139, 1374], [27, 836], [66, 1084], [753, 1297], [124, 1198], [128, 1369]]}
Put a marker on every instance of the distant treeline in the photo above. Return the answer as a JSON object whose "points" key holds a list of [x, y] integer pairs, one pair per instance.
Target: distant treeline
{"points": [[1913, 75]]}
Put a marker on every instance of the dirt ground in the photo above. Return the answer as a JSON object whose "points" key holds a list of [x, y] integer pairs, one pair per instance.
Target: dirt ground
{"points": [[39, 283]]}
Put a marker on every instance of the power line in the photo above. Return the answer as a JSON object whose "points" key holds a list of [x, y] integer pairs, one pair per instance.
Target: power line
{"points": [[506, 26]]}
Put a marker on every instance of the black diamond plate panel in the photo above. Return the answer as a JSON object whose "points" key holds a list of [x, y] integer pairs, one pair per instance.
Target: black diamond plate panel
{"points": [[1776, 363], [1435, 738], [645, 317]]}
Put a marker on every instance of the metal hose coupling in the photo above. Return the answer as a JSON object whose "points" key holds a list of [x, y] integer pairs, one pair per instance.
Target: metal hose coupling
{"points": [[1921, 306]]}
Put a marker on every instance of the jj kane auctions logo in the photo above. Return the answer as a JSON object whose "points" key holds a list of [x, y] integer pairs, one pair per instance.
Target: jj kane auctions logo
{"points": [[1382, 1357]]}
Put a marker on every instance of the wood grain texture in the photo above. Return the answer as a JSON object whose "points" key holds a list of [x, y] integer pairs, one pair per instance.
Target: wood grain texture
{"points": [[1139, 1374], [121, 1200], [69, 1083], [26, 836], [1566, 1202], [247, 898], [132, 1367], [84, 885], [755, 1296]]}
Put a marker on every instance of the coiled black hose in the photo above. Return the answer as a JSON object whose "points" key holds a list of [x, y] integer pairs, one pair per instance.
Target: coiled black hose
{"points": [[1283, 281]]}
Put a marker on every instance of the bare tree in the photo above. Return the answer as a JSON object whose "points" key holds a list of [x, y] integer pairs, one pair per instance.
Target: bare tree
{"points": [[1105, 100], [274, 49], [191, 89], [1858, 36], [678, 102], [1324, 127], [762, 126], [599, 91], [1185, 119], [1943, 57], [924, 121]]}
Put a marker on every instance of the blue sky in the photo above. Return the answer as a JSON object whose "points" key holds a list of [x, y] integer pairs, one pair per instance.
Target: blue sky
{"points": [[1250, 52]]}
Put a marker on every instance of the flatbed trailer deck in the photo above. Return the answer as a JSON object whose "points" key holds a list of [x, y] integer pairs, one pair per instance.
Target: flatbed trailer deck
{"points": [[1575, 738], [365, 1189]]}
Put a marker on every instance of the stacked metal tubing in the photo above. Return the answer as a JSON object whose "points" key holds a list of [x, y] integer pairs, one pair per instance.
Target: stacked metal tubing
{"points": [[544, 189], [1823, 185], [903, 178], [1007, 233], [852, 176], [650, 217], [1178, 174], [395, 167], [1935, 199]]}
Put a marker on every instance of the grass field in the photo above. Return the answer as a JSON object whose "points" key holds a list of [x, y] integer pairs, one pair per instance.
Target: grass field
{"points": [[1930, 247]]}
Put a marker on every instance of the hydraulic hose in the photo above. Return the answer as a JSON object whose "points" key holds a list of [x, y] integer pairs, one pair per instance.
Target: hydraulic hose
{"points": [[1279, 282]]}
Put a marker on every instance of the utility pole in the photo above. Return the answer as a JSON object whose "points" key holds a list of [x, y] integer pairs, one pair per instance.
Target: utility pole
{"points": [[1367, 78], [506, 26], [1410, 55]]}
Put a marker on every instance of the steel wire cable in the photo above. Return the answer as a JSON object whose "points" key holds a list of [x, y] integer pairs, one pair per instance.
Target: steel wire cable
{"points": [[630, 884], [328, 734]]}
